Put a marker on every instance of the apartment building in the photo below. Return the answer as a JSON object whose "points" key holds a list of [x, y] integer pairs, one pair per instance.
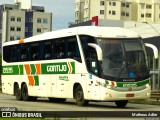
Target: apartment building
{"points": [[22, 20], [130, 10], [79, 11]]}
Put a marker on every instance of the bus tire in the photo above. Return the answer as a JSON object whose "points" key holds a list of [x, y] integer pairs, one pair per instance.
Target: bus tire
{"points": [[79, 96], [121, 103], [17, 92], [25, 96], [57, 100]]}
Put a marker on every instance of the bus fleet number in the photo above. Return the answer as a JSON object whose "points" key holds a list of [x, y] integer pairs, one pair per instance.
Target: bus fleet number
{"points": [[8, 70]]}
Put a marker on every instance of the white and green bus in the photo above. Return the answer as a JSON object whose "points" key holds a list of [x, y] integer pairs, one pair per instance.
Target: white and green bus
{"points": [[84, 63]]}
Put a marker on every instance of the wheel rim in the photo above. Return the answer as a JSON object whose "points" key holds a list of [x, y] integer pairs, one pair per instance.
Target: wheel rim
{"points": [[79, 96]]}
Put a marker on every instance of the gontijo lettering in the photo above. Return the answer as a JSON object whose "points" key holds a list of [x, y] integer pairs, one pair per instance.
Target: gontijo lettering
{"points": [[56, 68]]}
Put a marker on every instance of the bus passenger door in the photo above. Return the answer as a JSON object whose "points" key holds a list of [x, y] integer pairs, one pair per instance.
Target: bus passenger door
{"points": [[92, 83]]}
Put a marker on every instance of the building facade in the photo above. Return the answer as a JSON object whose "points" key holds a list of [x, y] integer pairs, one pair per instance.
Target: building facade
{"points": [[19, 23], [131, 10]]}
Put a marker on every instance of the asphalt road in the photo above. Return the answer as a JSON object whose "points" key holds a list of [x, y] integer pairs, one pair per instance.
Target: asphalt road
{"points": [[42, 104]]}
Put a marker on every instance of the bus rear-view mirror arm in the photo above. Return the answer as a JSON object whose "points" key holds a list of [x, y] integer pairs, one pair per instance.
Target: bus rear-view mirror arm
{"points": [[154, 48], [98, 50]]}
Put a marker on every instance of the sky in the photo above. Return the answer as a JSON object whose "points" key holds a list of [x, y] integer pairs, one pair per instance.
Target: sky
{"points": [[62, 11]]}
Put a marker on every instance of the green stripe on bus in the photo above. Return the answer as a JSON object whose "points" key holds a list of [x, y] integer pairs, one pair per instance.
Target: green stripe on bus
{"points": [[73, 67], [138, 84], [33, 69], [12, 70], [21, 72], [36, 80]]}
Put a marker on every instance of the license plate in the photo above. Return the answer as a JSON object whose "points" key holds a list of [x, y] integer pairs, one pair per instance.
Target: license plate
{"points": [[129, 95]]}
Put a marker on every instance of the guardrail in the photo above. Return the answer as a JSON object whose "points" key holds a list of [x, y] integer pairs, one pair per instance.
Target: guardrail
{"points": [[155, 95]]}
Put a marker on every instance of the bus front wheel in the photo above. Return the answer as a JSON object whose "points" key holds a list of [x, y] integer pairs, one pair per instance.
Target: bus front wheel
{"points": [[121, 103], [79, 96]]}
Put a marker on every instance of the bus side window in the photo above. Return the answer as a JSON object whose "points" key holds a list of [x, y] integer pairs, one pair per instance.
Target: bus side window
{"points": [[14, 53], [23, 52], [34, 51], [73, 49], [47, 50], [7, 50], [59, 48]]}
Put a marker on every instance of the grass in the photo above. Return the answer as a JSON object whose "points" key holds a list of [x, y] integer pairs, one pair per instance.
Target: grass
{"points": [[149, 101]]}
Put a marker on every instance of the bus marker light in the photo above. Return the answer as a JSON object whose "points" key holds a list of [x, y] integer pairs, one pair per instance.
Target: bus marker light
{"points": [[129, 95], [108, 95], [109, 87]]}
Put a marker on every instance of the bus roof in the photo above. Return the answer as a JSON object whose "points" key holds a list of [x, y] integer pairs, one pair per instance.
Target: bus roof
{"points": [[96, 31]]}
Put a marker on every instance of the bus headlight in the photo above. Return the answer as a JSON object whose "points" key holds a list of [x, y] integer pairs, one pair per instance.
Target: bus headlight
{"points": [[147, 85], [101, 84]]}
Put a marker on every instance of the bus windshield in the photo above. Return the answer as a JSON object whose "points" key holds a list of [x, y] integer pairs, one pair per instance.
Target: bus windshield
{"points": [[123, 59]]}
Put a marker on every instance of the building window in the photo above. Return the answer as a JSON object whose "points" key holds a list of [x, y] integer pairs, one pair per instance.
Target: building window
{"points": [[142, 15], [127, 14], [101, 3], [123, 4], [102, 12], [18, 37], [110, 3], [114, 3], [127, 5], [39, 20], [149, 6], [159, 15], [18, 28], [38, 30], [142, 6], [30, 20], [148, 15], [45, 30], [109, 12], [18, 19], [113, 12], [12, 29], [11, 38], [12, 18], [45, 20]]}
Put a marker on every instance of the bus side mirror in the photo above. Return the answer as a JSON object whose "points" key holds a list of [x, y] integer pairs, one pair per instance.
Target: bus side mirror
{"points": [[98, 50], [154, 48]]}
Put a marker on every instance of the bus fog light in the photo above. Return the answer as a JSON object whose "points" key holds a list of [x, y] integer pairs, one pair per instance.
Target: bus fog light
{"points": [[147, 85], [108, 95], [148, 93]]}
